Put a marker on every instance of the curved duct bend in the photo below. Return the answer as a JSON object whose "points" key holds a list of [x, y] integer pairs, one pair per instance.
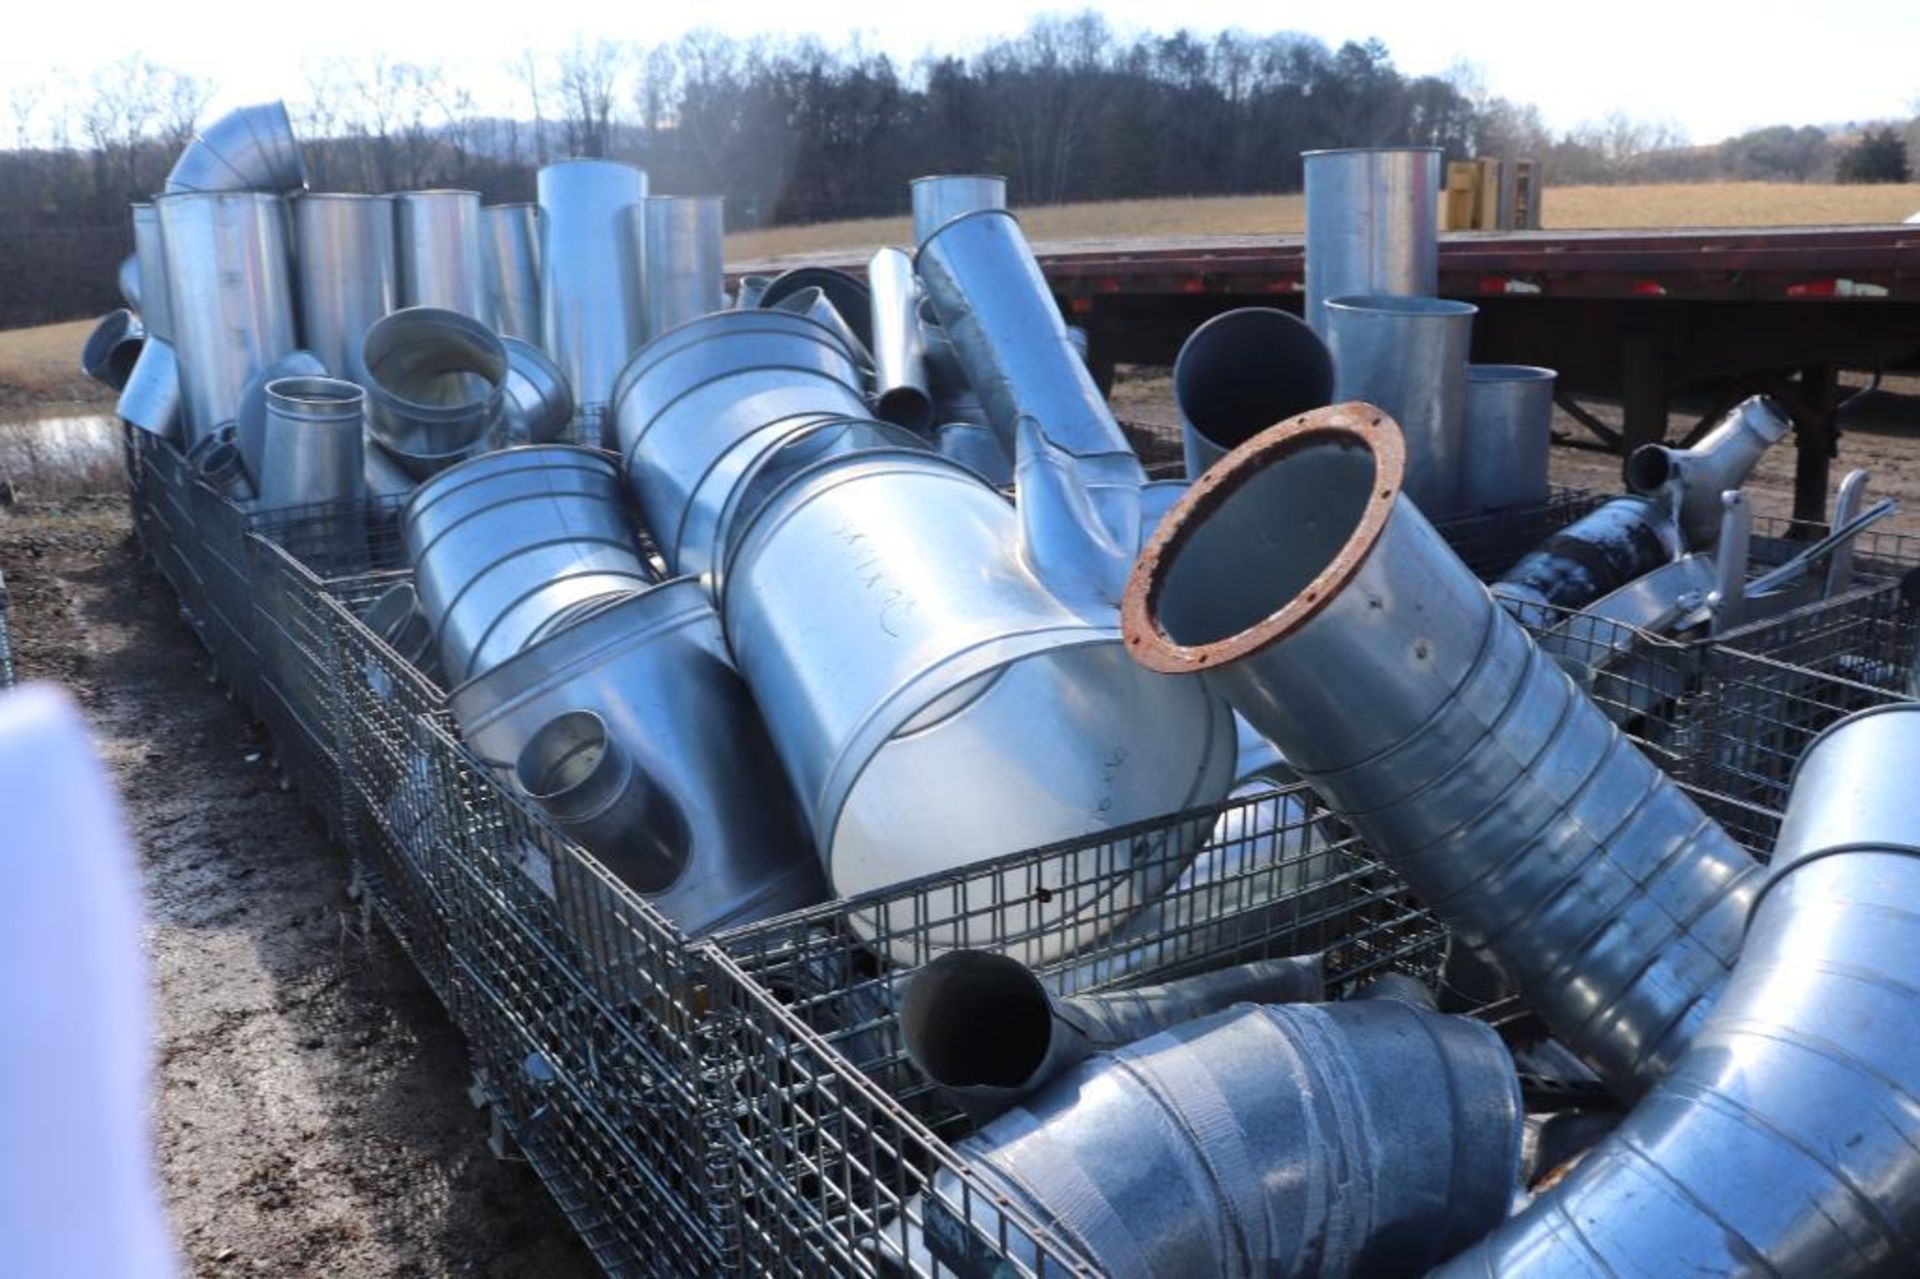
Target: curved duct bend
{"points": [[1693, 479], [113, 348], [1784, 1142], [1602, 551], [1366, 1139], [247, 149], [984, 1028], [1242, 372], [435, 386], [1425, 716]]}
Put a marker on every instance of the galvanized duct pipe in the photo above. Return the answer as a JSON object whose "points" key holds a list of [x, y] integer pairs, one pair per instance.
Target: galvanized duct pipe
{"points": [[250, 427], [385, 477], [752, 289], [652, 669], [311, 444], [1597, 554], [899, 356], [113, 348], [812, 303], [1357, 642], [437, 248], [508, 545], [1783, 1142], [348, 275], [434, 381], [684, 247], [151, 398], [705, 392], [940, 198], [986, 1029], [1373, 224], [1694, 478], [510, 268], [396, 618], [247, 149], [1366, 1139], [592, 313], [977, 446], [127, 278], [229, 296], [1240, 373], [1509, 436], [848, 295], [538, 406], [1409, 357], [220, 466], [879, 610]]}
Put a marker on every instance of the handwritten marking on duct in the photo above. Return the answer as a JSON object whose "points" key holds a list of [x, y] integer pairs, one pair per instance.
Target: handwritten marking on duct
{"points": [[895, 605], [1110, 765]]}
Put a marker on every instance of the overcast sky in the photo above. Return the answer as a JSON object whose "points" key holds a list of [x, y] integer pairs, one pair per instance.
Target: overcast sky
{"points": [[1714, 67]]}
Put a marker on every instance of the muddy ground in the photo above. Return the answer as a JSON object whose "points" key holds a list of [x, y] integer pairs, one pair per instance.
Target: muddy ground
{"points": [[310, 1109]]}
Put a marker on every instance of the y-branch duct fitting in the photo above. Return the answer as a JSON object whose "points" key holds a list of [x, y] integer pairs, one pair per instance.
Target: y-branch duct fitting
{"points": [[1330, 613]]}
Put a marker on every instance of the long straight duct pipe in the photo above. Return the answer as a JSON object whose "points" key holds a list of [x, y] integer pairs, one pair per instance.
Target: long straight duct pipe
{"points": [[684, 248], [247, 149], [348, 276], [879, 609], [1298, 577], [1784, 1142], [230, 296], [1616, 543], [1409, 356], [437, 245], [151, 399], [1241, 372], [1694, 478], [984, 1028], [592, 308], [1360, 1140], [1373, 224], [941, 197], [899, 353], [510, 269]]}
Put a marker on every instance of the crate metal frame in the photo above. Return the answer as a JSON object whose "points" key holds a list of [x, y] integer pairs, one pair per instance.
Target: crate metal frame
{"points": [[6, 635]]}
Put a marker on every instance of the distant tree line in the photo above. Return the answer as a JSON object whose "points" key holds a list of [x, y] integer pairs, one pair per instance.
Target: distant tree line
{"points": [[797, 131]]}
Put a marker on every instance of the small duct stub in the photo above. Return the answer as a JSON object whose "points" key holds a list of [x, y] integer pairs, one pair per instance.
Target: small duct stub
{"points": [[1373, 224], [510, 266], [439, 251], [1240, 373]]}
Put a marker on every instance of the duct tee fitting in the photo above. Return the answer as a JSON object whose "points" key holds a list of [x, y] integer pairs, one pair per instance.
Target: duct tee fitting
{"points": [[899, 356], [1425, 716], [1373, 224], [984, 1027], [1242, 372], [1599, 553], [1783, 1142], [940, 198], [694, 811], [113, 348], [434, 381], [230, 296], [437, 248], [510, 269], [509, 546], [879, 610], [592, 308], [247, 149], [348, 276], [1367, 1139], [1694, 478], [311, 444], [1409, 356], [684, 247], [1509, 437]]}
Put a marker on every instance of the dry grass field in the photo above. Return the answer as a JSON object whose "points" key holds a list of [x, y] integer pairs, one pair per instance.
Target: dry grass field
{"points": [[1565, 208], [42, 365]]}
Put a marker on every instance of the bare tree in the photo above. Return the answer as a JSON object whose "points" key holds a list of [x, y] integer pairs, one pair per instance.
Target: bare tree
{"points": [[532, 75], [588, 85]]}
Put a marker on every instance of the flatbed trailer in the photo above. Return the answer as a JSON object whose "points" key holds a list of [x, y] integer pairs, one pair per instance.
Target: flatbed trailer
{"points": [[1643, 317]]}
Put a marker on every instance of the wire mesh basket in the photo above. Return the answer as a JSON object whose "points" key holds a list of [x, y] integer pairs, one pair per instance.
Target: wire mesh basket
{"points": [[6, 635]]}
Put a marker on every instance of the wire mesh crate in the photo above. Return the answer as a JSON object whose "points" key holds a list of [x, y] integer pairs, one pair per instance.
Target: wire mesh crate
{"points": [[1492, 543], [6, 635]]}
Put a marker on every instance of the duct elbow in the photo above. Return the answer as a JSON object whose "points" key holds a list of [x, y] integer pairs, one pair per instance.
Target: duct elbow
{"points": [[247, 149], [1692, 479]]}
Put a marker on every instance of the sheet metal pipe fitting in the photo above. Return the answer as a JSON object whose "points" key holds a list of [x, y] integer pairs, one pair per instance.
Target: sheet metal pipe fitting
{"points": [[151, 398], [247, 149], [1613, 545], [592, 306], [127, 280], [879, 610], [847, 294], [510, 269], [510, 544], [941, 197], [899, 354], [1242, 372], [113, 348], [985, 1028], [219, 465], [229, 295], [1409, 356], [1361, 646], [250, 427], [1373, 224], [1783, 1142], [437, 247], [573, 768], [435, 386], [752, 289], [1509, 437], [976, 446], [812, 303], [1366, 1139], [311, 446], [538, 405], [396, 618], [347, 271], [1694, 478], [684, 247], [652, 669]]}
